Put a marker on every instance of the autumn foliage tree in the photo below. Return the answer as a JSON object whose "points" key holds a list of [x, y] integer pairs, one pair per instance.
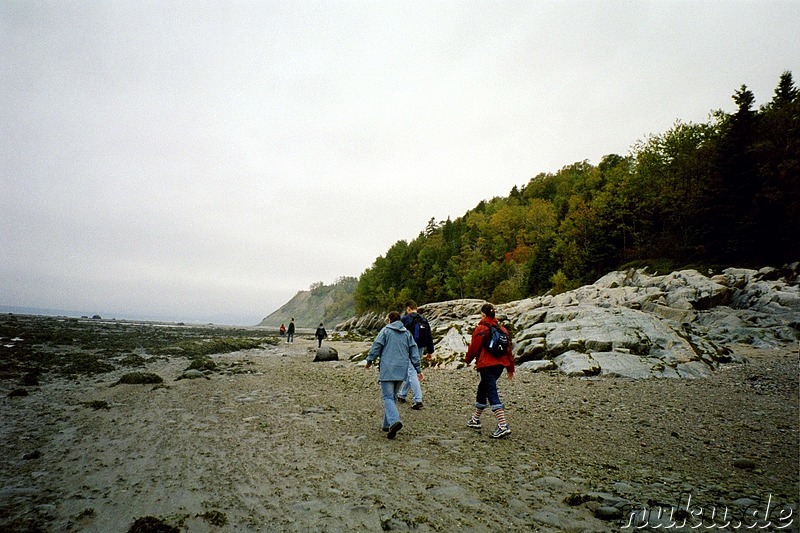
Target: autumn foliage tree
{"points": [[726, 192]]}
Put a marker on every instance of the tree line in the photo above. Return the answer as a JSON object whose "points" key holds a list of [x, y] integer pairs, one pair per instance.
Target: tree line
{"points": [[724, 192]]}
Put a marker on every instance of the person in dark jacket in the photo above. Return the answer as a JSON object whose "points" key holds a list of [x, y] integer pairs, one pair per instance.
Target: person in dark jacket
{"points": [[320, 334], [396, 347], [290, 332], [425, 346], [490, 367]]}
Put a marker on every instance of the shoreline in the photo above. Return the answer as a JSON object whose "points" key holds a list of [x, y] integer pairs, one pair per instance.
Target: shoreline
{"points": [[275, 442]]}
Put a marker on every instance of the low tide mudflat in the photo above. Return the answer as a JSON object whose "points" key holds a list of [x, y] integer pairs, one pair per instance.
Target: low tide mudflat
{"points": [[275, 442]]}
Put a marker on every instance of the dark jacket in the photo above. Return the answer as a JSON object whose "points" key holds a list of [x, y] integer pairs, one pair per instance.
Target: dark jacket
{"points": [[478, 350], [425, 342]]}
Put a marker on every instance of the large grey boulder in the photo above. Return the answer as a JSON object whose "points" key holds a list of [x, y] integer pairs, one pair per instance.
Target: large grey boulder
{"points": [[326, 353]]}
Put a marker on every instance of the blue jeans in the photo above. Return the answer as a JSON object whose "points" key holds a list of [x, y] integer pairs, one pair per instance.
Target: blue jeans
{"points": [[389, 392], [411, 381], [487, 388]]}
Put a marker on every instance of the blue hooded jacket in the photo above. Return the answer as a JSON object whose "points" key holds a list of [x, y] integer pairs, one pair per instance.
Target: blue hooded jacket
{"points": [[395, 346]]}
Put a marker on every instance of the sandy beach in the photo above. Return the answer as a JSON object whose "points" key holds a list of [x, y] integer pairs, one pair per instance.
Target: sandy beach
{"points": [[277, 442]]}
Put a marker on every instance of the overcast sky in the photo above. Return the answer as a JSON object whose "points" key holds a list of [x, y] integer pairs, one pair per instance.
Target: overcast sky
{"points": [[203, 161]]}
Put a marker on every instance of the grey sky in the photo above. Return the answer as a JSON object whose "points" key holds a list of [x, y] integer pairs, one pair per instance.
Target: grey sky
{"points": [[204, 161]]}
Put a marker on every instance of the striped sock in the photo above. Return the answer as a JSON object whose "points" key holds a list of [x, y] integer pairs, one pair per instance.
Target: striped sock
{"points": [[501, 418], [476, 416]]}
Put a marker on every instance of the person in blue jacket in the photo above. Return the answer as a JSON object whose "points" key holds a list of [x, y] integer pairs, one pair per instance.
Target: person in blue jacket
{"points": [[395, 347]]}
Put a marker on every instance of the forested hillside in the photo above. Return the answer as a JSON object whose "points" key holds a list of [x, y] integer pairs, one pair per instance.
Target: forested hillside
{"points": [[725, 192]]}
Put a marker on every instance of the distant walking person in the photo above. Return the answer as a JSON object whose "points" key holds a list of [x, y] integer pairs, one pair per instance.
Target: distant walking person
{"points": [[321, 334], [282, 330], [421, 331], [290, 332], [395, 347], [490, 364]]}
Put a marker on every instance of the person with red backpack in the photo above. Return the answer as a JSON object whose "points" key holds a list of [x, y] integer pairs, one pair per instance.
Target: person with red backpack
{"points": [[491, 348]]}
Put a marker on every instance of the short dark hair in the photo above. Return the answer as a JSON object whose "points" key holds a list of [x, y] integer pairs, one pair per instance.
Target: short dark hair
{"points": [[488, 310], [411, 304], [394, 316]]}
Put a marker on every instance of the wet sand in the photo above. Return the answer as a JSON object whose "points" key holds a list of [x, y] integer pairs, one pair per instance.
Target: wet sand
{"points": [[286, 444]]}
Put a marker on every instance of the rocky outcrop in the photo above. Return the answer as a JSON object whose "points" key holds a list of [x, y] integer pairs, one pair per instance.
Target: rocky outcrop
{"points": [[363, 325], [635, 325]]}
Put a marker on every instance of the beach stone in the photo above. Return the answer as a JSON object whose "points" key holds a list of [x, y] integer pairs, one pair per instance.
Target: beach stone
{"points": [[139, 378], [202, 363], [538, 366], [30, 379], [192, 374], [606, 512], [326, 353], [556, 519], [744, 464]]}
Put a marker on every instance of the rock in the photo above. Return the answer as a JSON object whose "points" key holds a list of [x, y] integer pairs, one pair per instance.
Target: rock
{"points": [[364, 324], [606, 512], [557, 519], [97, 404], [202, 363], [623, 365], [192, 374], [139, 378], [630, 324], [768, 274], [31, 379], [538, 366], [577, 364], [744, 502], [326, 353], [693, 370], [744, 464], [454, 343], [149, 524]]}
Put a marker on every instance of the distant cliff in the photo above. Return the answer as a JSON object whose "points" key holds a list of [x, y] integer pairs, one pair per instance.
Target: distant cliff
{"points": [[329, 304]]}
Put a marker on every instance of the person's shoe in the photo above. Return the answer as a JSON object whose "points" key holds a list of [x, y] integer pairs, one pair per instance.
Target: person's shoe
{"points": [[393, 429], [501, 432], [401, 399], [417, 406], [474, 423], [384, 429]]}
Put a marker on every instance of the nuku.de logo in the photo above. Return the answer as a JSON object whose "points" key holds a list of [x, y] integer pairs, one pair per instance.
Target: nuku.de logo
{"points": [[761, 516]]}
